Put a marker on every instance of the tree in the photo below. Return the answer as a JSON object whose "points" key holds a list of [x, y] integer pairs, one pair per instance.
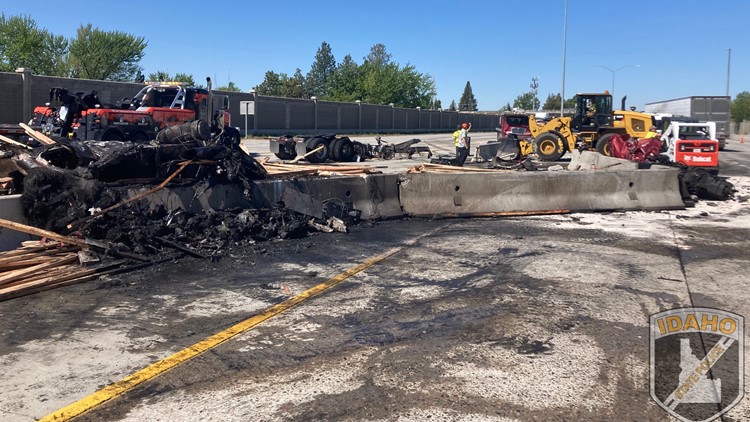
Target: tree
{"points": [[271, 85], [344, 83], [552, 102], [378, 80], [467, 101], [452, 107], [378, 56], [231, 87], [506, 107], [162, 76], [526, 101], [321, 71], [437, 105], [740, 109], [23, 44], [105, 55]]}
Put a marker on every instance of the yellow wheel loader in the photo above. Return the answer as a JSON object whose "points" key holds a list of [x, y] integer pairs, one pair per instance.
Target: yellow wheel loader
{"points": [[592, 127]]}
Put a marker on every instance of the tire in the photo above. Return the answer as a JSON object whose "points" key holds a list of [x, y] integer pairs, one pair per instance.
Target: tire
{"points": [[285, 155], [320, 156], [334, 149], [547, 147], [113, 135], [346, 150], [602, 144], [138, 137], [231, 138]]}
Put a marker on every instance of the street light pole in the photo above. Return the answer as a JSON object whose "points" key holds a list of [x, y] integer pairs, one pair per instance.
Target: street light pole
{"points": [[729, 62], [615, 71], [565, 44]]}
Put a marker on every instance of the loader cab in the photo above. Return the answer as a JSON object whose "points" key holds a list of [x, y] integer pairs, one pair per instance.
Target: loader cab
{"points": [[592, 112]]}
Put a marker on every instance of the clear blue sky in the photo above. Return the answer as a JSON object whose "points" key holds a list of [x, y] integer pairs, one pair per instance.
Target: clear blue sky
{"points": [[498, 46]]}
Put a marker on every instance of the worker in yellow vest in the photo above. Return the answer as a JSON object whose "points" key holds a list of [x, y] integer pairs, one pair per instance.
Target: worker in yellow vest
{"points": [[455, 138]]}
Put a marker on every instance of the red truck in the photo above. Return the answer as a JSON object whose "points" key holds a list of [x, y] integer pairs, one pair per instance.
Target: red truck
{"points": [[157, 106]]}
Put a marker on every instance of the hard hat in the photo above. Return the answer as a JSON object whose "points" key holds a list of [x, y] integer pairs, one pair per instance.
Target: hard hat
{"points": [[652, 128], [464, 125]]}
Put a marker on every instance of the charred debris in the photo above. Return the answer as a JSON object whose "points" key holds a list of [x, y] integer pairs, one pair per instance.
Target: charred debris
{"points": [[89, 190]]}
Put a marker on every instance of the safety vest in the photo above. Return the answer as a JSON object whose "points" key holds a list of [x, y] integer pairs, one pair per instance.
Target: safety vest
{"points": [[456, 134]]}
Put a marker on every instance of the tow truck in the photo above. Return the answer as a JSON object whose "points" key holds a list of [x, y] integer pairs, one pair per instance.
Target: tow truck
{"points": [[156, 106]]}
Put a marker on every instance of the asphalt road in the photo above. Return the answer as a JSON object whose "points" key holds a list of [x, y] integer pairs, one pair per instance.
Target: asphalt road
{"points": [[513, 319]]}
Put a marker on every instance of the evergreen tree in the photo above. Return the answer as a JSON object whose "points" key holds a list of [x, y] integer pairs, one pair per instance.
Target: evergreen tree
{"points": [[552, 102], [321, 71], [344, 84], [271, 85], [452, 107], [437, 105], [467, 101], [378, 56]]}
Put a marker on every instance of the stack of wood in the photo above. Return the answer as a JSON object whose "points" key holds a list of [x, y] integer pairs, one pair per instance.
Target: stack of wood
{"points": [[39, 266], [292, 169], [442, 168]]}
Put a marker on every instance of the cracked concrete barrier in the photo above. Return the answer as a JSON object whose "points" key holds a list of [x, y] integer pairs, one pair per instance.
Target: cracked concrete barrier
{"points": [[467, 194], [376, 195]]}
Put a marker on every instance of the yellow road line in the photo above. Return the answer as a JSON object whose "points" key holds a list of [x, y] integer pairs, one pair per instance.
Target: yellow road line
{"points": [[128, 383]]}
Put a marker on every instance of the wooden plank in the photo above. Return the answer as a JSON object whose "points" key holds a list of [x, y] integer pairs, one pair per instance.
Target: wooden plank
{"points": [[134, 198], [13, 142], [18, 274], [53, 273], [308, 154], [41, 233], [37, 135]]}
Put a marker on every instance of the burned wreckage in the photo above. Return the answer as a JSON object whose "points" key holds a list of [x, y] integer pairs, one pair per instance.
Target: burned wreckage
{"points": [[87, 188], [87, 184]]}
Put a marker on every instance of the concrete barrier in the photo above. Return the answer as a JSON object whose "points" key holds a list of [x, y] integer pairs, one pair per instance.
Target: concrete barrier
{"points": [[467, 194], [376, 196], [11, 209]]}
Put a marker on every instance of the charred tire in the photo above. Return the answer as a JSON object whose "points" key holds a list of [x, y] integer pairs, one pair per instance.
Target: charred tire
{"points": [[320, 156], [285, 155], [138, 137], [360, 152], [334, 149], [113, 135], [231, 137], [547, 147], [346, 150], [603, 146]]}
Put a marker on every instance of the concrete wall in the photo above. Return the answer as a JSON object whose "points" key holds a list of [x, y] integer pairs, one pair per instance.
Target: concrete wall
{"points": [[742, 128], [273, 115]]}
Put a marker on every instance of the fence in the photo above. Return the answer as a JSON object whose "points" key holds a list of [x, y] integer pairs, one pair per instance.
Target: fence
{"points": [[23, 90]]}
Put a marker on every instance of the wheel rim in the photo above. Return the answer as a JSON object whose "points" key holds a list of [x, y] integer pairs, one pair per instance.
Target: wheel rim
{"points": [[547, 147]]}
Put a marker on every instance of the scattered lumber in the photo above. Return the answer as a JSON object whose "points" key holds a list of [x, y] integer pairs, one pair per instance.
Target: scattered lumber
{"points": [[442, 168], [37, 135], [289, 169]]}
